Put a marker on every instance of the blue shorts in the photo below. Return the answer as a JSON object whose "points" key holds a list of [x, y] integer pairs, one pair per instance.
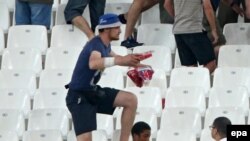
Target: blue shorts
{"points": [[194, 48], [83, 106], [33, 13]]}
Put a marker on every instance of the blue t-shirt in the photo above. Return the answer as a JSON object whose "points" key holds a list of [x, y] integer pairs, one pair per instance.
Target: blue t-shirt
{"points": [[83, 77]]}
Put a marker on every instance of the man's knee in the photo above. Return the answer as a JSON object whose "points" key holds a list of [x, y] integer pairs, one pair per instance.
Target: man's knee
{"points": [[131, 101]]}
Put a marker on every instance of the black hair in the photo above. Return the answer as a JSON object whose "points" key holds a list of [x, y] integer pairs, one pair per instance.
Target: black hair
{"points": [[139, 127], [101, 30], [220, 124]]}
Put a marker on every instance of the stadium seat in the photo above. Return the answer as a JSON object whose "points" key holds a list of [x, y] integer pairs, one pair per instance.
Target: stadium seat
{"points": [[229, 97], [31, 36], [193, 97], [97, 135], [148, 97], [118, 7], [16, 99], [151, 15], [172, 135], [190, 77], [161, 57], [16, 79], [8, 136], [5, 17], [55, 5], [105, 123], [22, 59], [112, 77], [67, 36], [206, 135], [158, 80], [232, 77], [50, 98], [56, 78], [42, 135], [237, 33], [117, 134], [49, 119], [10, 4], [2, 41], [157, 34], [12, 120], [62, 58], [142, 114], [60, 19], [236, 115], [234, 56], [181, 119]]}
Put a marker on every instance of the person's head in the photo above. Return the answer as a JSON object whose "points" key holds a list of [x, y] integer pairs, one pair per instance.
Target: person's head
{"points": [[141, 131], [219, 128], [109, 24]]}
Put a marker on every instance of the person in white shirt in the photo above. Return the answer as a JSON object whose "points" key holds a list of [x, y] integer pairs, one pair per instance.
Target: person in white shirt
{"points": [[219, 128]]}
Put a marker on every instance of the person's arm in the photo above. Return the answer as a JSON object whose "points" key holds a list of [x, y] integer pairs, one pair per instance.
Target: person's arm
{"points": [[98, 62], [235, 6], [247, 8], [208, 9], [169, 6]]}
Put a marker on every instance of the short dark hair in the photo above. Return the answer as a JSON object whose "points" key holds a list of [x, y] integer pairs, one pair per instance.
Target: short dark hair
{"points": [[101, 30], [139, 127], [220, 124]]}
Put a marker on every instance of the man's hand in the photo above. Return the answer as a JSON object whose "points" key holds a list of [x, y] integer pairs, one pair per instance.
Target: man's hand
{"points": [[128, 60], [238, 10], [215, 37]]}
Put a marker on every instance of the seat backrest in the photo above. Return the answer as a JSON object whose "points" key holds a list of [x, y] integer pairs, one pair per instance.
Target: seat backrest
{"points": [[4, 16], [151, 15], [42, 135], [2, 41], [172, 135], [8, 136]]}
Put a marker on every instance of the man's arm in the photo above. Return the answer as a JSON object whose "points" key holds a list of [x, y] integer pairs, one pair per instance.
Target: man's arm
{"points": [[169, 6], [235, 6], [208, 9], [98, 62], [247, 8]]}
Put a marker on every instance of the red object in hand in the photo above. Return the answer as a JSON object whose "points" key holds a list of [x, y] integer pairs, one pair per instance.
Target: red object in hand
{"points": [[145, 73], [133, 75], [145, 55]]}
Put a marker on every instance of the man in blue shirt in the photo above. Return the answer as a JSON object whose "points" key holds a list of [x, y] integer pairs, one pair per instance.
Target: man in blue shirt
{"points": [[85, 98]]}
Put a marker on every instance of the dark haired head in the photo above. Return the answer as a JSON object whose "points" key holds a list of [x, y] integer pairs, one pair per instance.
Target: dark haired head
{"points": [[220, 124], [139, 127]]}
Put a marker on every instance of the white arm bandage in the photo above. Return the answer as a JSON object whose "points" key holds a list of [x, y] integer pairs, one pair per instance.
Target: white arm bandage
{"points": [[109, 61]]}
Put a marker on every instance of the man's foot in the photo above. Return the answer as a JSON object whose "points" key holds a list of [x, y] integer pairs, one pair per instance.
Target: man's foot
{"points": [[130, 42], [122, 19]]}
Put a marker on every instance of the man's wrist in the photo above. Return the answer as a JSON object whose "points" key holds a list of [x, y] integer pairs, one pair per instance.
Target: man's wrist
{"points": [[232, 3]]}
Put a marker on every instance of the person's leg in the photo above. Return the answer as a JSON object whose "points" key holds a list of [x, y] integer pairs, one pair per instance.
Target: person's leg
{"points": [[40, 14], [129, 103], [73, 14], [84, 137], [22, 13], [96, 9], [246, 7]]}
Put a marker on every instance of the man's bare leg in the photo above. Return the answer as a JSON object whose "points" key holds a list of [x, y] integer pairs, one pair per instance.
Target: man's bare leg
{"points": [[83, 25], [84, 137], [129, 103], [211, 66]]}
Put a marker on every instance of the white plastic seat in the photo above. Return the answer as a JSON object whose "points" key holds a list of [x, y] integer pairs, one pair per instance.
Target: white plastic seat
{"points": [[12, 120], [181, 119], [177, 61], [158, 80], [51, 98], [10, 4], [148, 97], [117, 134], [56, 78], [60, 19], [229, 97], [151, 15], [193, 97], [171, 135], [234, 56], [235, 115], [190, 77], [16, 79], [67, 36], [31, 36], [232, 77], [206, 135], [142, 114], [112, 77], [16, 99], [8, 136], [42, 135], [62, 58], [105, 123], [2, 41], [118, 7], [239, 30], [97, 135], [22, 59], [5, 17], [55, 5], [49, 119], [157, 34], [161, 57]]}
